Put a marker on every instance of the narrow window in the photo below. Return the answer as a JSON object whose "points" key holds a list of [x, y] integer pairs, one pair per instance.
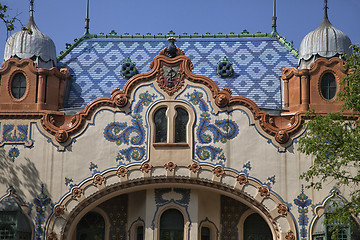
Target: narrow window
{"points": [[181, 121], [18, 85], [328, 86], [205, 233], [140, 233], [172, 225], [160, 120], [91, 227]]}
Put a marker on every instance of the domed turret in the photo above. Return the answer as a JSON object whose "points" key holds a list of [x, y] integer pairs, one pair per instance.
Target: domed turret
{"points": [[32, 44], [325, 41]]}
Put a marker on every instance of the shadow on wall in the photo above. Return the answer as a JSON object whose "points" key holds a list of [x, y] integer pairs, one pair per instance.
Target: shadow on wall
{"points": [[23, 177]]}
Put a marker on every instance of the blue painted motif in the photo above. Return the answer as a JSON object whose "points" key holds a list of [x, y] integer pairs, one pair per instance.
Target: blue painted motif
{"points": [[122, 134], [270, 181], [93, 168], [208, 133], [68, 182], [41, 202], [12, 133], [303, 201], [257, 63], [14, 153]]}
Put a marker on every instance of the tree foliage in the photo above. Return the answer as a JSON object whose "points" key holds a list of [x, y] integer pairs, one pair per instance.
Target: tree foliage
{"points": [[8, 21], [334, 141]]}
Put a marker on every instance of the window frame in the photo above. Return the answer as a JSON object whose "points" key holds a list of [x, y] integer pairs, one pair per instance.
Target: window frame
{"points": [[327, 86], [10, 87], [171, 114]]}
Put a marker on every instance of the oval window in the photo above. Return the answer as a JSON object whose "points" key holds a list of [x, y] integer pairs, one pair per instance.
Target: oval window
{"points": [[18, 85], [328, 86]]}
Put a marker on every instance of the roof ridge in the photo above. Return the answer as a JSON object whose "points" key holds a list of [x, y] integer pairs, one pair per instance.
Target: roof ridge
{"points": [[243, 34]]}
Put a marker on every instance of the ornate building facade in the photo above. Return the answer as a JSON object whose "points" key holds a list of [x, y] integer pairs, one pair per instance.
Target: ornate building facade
{"points": [[134, 137]]}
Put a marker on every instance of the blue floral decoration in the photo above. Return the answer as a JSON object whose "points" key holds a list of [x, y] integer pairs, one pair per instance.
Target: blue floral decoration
{"points": [[128, 69], [14, 153], [303, 201], [41, 202], [123, 134], [224, 68], [208, 133]]}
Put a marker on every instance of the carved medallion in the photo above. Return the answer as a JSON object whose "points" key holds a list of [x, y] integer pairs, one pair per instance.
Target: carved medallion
{"points": [[170, 80]]}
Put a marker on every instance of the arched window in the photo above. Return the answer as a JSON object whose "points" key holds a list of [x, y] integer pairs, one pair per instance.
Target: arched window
{"points": [[18, 85], [172, 225], [205, 233], [160, 120], [328, 86], [255, 227], [14, 224], [91, 227], [323, 230], [181, 121]]}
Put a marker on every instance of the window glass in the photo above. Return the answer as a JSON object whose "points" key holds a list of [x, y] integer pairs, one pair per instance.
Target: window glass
{"points": [[91, 227], [160, 120], [255, 228], [328, 86], [140, 233], [18, 85], [205, 233], [172, 225], [181, 121]]}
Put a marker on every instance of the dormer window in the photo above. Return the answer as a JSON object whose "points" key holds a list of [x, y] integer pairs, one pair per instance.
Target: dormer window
{"points": [[328, 86], [18, 85]]}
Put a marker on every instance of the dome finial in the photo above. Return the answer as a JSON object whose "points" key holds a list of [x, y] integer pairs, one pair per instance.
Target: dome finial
{"points": [[274, 18], [325, 9], [31, 8], [87, 19]]}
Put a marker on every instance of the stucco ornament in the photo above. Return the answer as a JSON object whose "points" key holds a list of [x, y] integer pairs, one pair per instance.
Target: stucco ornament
{"points": [[194, 167], [290, 235], [264, 191], [122, 171], [52, 236], [98, 179], [61, 136], [242, 179], [282, 209], [121, 100], [170, 166], [282, 136], [59, 210], [76, 192], [146, 167], [218, 171], [223, 98]]}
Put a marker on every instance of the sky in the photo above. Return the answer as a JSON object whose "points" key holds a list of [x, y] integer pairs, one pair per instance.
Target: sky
{"points": [[63, 20]]}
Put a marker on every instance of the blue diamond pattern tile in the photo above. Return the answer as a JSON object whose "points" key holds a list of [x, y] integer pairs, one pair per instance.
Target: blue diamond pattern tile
{"points": [[258, 62]]}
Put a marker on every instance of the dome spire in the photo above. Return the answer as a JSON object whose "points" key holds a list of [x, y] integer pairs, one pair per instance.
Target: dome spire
{"points": [[274, 18], [87, 19], [31, 8], [325, 10]]}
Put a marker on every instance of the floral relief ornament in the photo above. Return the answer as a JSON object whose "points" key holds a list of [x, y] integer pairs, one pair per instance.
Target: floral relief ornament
{"points": [[290, 235], [282, 209], [218, 171], [59, 210], [146, 167], [98, 179], [242, 179], [76, 192], [170, 166], [264, 191], [52, 236], [122, 171], [194, 167]]}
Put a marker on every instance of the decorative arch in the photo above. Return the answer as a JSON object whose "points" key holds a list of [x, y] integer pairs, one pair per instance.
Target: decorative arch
{"points": [[135, 177], [133, 227], [211, 225]]}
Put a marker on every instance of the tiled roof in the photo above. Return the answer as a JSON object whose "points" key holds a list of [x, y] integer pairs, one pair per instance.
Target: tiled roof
{"points": [[95, 64]]}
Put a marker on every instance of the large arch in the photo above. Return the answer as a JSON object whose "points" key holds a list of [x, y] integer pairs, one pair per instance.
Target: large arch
{"points": [[93, 191]]}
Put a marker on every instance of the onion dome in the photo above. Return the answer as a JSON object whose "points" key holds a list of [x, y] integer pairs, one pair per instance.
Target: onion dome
{"points": [[325, 41], [31, 43]]}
